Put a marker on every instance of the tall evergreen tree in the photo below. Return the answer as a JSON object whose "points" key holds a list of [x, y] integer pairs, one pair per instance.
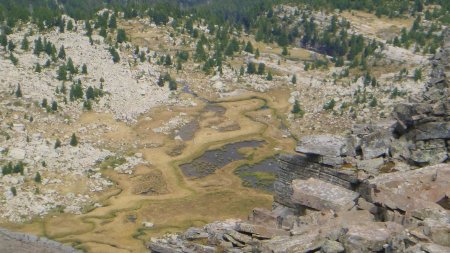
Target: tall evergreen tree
{"points": [[121, 36], [112, 22], [73, 140], [25, 44], [18, 91], [251, 69], [62, 53]]}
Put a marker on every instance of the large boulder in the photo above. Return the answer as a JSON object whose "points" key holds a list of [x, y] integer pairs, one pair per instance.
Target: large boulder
{"points": [[432, 130], [329, 149], [369, 237], [408, 191], [319, 195]]}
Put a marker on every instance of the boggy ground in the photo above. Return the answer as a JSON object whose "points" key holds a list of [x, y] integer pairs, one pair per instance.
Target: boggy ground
{"points": [[173, 202]]}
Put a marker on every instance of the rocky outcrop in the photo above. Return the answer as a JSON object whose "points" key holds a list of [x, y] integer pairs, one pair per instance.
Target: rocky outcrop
{"points": [[364, 192], [396, 212]]}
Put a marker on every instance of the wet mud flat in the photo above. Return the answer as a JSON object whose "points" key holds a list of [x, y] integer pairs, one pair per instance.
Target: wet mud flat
{"points": [[259, 176], [213, 160]]}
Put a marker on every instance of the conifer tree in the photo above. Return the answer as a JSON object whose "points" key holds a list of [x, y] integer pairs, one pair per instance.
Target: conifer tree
{"points": [[71, 67], [172, 85], [160, 81], [62, 73], [261, 69], [57, 143], [251, 69], [37, 178], [18, 91], [73, 140], [13, 191], [296, 109], [84, 69], [121, 36], [62, 53], [269, 76], [11, 46], [44, 103], [112, 22], [25, 44], [54, 106], [70, 25], [249, 48]]}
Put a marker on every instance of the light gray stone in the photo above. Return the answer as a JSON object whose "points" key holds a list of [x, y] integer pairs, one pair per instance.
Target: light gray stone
{"points": [[320, 195]]}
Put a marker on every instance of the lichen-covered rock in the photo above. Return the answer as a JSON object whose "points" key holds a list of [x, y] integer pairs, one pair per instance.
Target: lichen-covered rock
{"points": [[320, 195]]}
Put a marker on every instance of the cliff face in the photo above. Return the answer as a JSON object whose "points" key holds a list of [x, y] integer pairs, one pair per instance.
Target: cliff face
{"points": [[382, 188]]}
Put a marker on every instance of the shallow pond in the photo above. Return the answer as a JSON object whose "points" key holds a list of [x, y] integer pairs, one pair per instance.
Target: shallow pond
{"points": [[260, 176], [213, 160]]}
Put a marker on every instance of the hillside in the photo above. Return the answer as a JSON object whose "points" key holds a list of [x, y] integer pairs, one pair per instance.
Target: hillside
{"points": [[122, 121]]}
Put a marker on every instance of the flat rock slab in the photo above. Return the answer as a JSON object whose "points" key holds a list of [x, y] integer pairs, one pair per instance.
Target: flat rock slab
{"points": [[411, 190], [324, 145], [320, 195], [433, 130]]}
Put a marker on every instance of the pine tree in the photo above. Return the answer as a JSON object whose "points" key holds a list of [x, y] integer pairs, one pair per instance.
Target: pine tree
{"points": [[88, 28], [37, 178], [71, 67], [25, 44], [62, 73], [160, 81], [173, 85], [251, 69], [3, 40], [63, 88], [73, 140], [294, 79], [13, 191], [285, 51], [54, 106], [44, 103], [11, 46], [84, 69], [261, 68], [112, 22], [249, 48], [373, 102], [115, 55], [269, 76], [168, 61], [242, 71], [62, 25], [87, 105], [13, 59], [90, 93], [257, 53], [200, 54], [121, 36], [103, 32], [296, 109], [18, 91], [417, 74], [62, 53], [70, 25], [57, 143]]}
